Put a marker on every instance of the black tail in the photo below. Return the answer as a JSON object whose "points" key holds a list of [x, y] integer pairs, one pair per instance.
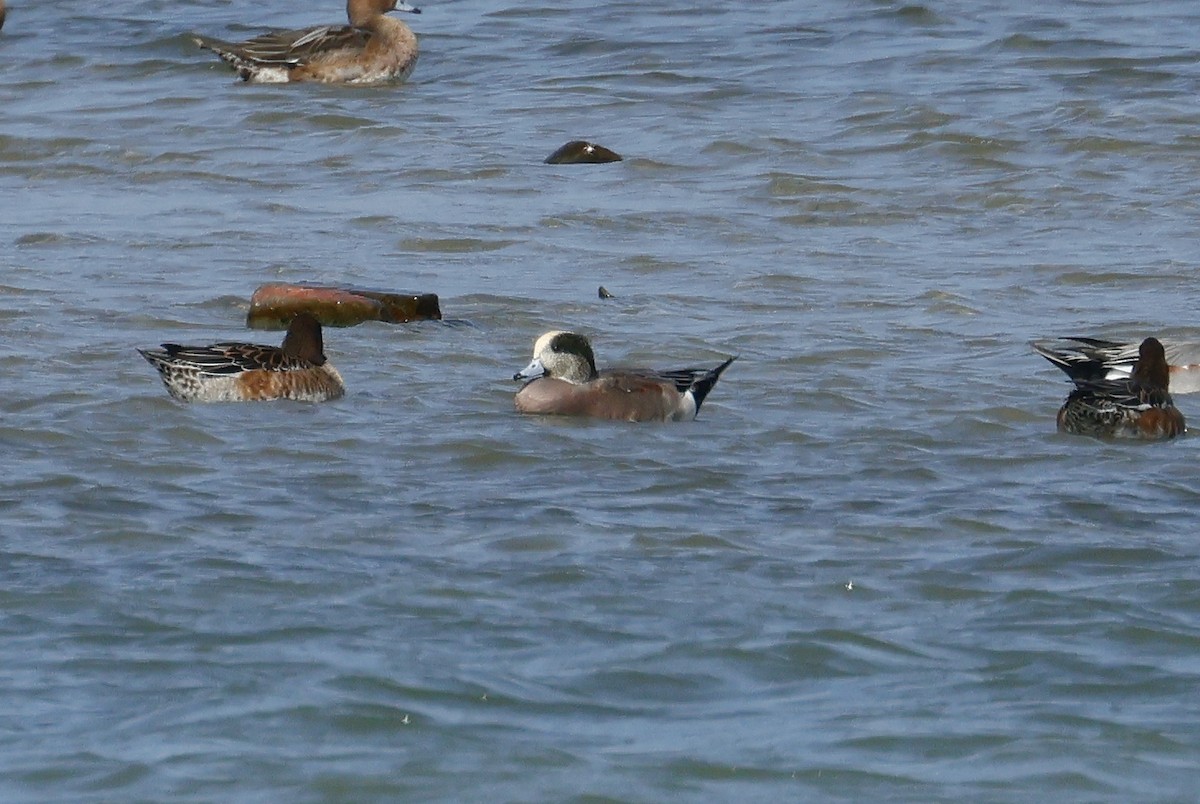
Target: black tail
{"points": [[705, 383], [1076, 366], [154, 357], [1082, 359]]}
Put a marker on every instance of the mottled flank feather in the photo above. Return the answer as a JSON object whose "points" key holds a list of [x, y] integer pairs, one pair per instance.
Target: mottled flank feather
{"points": [[245, 372], [1139, 406]]}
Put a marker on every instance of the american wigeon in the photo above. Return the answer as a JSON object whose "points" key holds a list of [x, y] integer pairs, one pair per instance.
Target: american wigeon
{"points": [[1097, 359], [372, 48], [247, 372], [563, 380], [2, 13], [1138, 406]]}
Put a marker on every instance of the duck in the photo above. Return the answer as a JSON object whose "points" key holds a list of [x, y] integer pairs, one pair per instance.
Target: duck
{"points": [[1138, 406], [246, 372], [1097, 359], [371, 49], [562, 380]]}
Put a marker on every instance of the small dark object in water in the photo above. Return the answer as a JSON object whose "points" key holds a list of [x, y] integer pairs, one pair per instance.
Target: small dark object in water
{"points": [[580, 152], [604, 294]]}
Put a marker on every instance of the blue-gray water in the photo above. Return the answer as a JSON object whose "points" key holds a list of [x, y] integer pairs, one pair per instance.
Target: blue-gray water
{"points": [[870, 570]]}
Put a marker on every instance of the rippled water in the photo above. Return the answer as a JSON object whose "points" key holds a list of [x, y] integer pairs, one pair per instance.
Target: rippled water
{"points": [[871, 569]]}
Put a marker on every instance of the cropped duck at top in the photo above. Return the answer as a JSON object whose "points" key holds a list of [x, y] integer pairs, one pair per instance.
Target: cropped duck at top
{"points": [[563, 380], [246, 372], [1139, 406], [371, 49]]}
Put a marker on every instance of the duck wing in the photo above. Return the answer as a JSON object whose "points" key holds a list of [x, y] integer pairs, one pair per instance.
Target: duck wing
{"points": [[290, 48]]}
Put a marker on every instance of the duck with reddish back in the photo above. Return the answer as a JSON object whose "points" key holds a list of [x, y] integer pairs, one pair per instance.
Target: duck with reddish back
{"points": [[372, 48], [247, 372], [1138, 407]]}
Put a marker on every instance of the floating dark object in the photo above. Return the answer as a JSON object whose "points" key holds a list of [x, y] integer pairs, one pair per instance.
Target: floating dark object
{"points": [[273, 305], [604, 294], [580, 152]]}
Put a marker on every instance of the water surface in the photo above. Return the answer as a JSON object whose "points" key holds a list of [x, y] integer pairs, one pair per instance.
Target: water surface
{"points": [[870, 569]]}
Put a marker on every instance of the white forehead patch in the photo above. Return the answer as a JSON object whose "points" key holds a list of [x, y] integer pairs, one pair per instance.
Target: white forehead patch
{"points": [[543, 343]]}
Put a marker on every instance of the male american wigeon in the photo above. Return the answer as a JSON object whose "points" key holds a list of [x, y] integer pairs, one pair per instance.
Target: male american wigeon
{"points": [[1138, 406], [372, 48], [1097, 359], [247, 372], [563, 380]]}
